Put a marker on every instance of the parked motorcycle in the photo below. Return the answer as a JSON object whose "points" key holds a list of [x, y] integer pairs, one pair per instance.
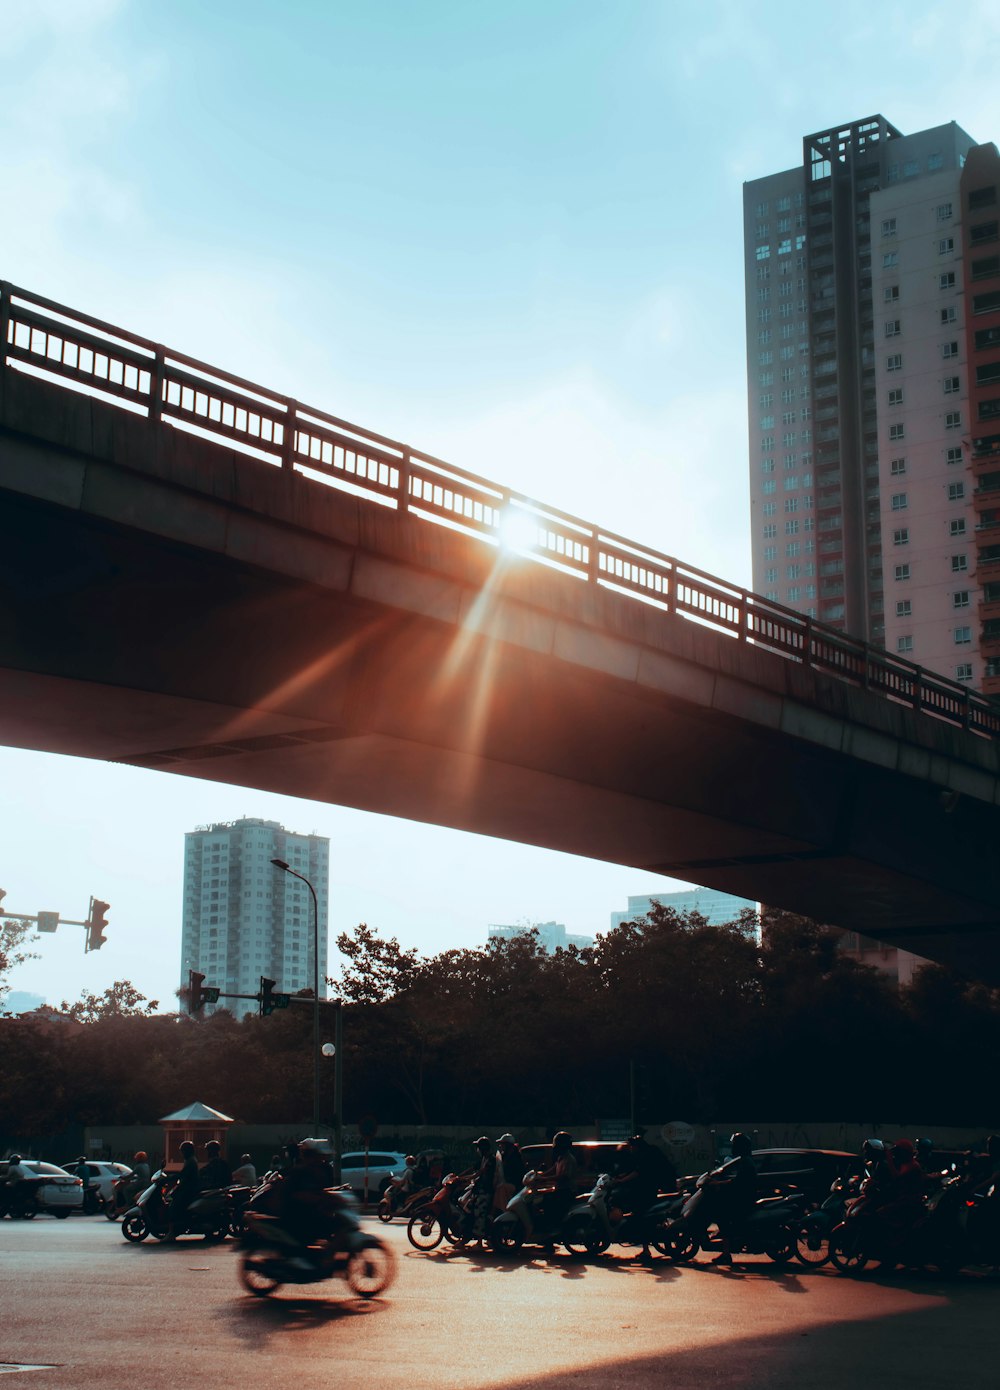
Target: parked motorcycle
{"points": [[210, 1215], [273, 1257], [397, 1201]]}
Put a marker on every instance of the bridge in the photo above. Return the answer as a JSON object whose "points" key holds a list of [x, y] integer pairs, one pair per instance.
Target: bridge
{"points": [[204, 577]]}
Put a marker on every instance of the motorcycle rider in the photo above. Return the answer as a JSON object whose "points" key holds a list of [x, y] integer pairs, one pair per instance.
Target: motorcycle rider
{"points": [[304, 1208], [139, 1180], [215, 1171], [509, 1171], [185, 1191], [727, 1195], [559, 1181], [637, 1181], [246, 1174], [482, 1185]]}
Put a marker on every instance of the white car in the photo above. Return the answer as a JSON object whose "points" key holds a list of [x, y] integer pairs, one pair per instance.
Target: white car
{"points": [[103, 1176], [382, 1165], [59, 1194]]}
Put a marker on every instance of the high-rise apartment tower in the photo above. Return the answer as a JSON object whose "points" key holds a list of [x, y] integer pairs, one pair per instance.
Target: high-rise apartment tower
{"points": [[243, 918], [873, 366]]}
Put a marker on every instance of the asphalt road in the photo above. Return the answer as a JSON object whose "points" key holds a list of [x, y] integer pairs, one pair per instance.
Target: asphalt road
{"points": [[92, 1310]]}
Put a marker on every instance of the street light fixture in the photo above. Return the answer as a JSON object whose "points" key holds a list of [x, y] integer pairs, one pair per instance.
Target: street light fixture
{"points": [[287, 869]]}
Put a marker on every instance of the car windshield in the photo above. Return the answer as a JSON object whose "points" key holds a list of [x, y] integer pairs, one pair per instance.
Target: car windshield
{"points": [[48, 1170]]}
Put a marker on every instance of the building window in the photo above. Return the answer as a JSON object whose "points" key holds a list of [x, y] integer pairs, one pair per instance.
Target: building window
{"points": [[763, 253], [771, 576], [983, 233], [791, 482], [960, 598], [770, 508], [770, 530], [959, 564], [986, 268], [768, 486], [901, 536], [953, 420], [947, 280], [892, 328], [963, 671], [899, 501], [894, 362], [982, 198], [889, 226], [896, 467], [963, 635], [951, 385], [767, 465], [770, 552], [904, 644], [901, 572], [791, 504], [953, 455], [986, 303], [957, 527], [904, 608], [896, 396], [890, 259], [890, 294], [791, 528], [943, 212], [948, 315], [946, 246], [896, 432], [956, 491], [949, 349]]}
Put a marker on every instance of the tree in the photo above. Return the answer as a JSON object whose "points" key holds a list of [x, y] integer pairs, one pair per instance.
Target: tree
{"points": [[122, 1000], [15, 935]]}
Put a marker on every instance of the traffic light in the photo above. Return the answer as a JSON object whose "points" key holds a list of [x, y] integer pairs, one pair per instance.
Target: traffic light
{"points": [[97, 920], [198, 993], [269, 1001]]}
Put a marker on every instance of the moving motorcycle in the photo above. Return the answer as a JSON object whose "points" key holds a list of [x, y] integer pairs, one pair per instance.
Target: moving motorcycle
{"points": [[576, 1229], [211, 1214], [592, 1225], [273, 1257], [769, 1228], [397, 1201]]}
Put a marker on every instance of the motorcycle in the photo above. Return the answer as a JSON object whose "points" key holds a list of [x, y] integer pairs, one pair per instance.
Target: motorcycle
{"points": [[122, 1199], [442, 1217], [576, 1229], [21, 1200], [769, 1228], [592, 1225], [936, 1235], [397, 1201], [211, 1213], [812, 1240], [273, 1257]]}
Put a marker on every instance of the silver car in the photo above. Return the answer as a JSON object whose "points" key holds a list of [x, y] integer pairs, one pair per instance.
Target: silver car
{"points": [[60, 1193]]}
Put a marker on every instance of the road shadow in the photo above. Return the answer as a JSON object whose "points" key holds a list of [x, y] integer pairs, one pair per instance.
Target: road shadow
{"points": [[254, 1321]]}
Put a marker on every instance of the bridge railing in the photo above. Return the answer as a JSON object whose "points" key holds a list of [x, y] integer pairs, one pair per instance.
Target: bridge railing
{"points": [[83, 353]]}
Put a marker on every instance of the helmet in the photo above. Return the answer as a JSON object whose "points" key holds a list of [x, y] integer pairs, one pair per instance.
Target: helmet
{"points": [[562, 1141], [82, 1158], [410, 1158], [924, 1146], [141, 1157], [904, 1148], [740, 1145], [484, 1144], [506, 1139], [187, 1148], [245, 1158], [872, 1149], [16, 1158], [213, 1146]]}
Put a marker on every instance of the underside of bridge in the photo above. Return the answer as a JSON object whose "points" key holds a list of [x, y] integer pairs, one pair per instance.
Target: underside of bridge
{"points": [[121, 643]]}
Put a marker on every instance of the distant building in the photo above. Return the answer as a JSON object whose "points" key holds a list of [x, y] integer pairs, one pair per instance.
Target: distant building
{"points": [[18, 1001], [242, 917], [899, 966], [552, 936], [714, 906]]}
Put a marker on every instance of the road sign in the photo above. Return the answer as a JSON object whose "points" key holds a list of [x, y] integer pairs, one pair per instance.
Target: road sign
{"points": [[48, 921]]}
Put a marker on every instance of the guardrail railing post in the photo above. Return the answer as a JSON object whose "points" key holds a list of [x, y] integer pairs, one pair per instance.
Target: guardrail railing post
{"points": [[807, 643], [157, 377], [404, 481], [593, 558], [288, 436], [4, 330]]}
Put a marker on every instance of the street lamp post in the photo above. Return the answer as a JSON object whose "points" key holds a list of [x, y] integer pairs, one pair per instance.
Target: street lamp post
{"points": [[287, 869]]}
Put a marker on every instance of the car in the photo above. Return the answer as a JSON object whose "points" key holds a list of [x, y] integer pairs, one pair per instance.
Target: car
{"points": [[381, 1165], [593, 1157], [812, 1171], [54, 1190], [104, 1175]]}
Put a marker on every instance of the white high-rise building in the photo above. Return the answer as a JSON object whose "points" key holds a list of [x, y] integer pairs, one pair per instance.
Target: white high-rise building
{"points": [[243, 918]]}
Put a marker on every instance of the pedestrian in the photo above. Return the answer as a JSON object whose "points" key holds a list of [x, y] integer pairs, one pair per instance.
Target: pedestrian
{"points": [[246, 1173]]}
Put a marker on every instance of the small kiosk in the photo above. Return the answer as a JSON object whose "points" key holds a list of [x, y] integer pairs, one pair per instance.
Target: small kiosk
{"points": [[196, 1122]]}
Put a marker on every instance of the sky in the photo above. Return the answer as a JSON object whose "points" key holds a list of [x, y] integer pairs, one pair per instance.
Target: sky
{"points": [[508, 235]]}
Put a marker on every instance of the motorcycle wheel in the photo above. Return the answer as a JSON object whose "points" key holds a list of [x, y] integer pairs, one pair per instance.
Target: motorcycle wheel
{"points": [[583, 1238], [384, 1214], [812, 1246], [61, 1215], [678, 1244], [370, 1271], [507, 1239], [424, 1231], [134, 1228], [782, 1247], [110, 1211], [847, 1256], [219, 1234], [255, 1276]]}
